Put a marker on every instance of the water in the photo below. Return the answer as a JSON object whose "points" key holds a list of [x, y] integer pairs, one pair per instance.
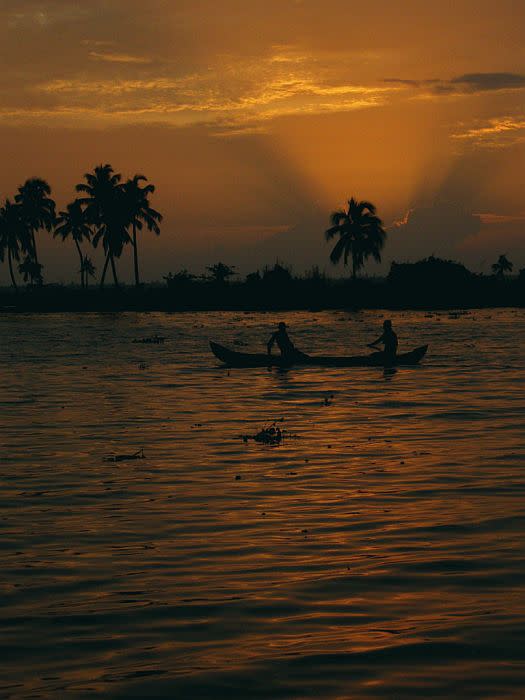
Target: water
{"points": [[378, 554]]}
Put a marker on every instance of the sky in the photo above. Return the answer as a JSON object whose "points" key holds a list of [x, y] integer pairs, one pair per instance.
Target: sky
{"points": [[256, 120]]}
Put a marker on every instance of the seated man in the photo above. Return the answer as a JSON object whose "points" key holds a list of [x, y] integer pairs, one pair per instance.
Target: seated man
{"points": [[388, 340], [288, 351]]}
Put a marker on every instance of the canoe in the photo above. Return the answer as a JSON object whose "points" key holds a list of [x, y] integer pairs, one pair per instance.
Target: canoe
{"points": [[376, 359]]}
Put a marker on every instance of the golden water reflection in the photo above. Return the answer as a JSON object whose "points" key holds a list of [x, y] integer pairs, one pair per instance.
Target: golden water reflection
{"points": [[378, 554]]}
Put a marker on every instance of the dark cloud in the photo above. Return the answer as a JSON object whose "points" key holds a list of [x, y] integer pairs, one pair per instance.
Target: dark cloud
{"points": [[490, 81], [466, 83], [412, 83]]}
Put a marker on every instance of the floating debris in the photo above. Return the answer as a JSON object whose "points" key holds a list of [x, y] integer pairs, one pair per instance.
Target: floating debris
{"points": [[271, 435], [122, 458], [152, 340]]}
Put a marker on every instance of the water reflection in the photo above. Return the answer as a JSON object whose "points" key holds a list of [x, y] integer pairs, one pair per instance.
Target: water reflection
{"points": [[378, 554]]}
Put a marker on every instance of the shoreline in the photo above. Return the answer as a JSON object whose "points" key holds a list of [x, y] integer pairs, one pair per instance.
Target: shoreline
{"points": [[299, 295]]}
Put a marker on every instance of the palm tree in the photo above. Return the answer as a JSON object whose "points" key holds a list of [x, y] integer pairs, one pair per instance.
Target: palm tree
{"points": [[361, 234], [73, 222], [31, 271], [38, 210], [87, 269], [502, 266], [14, 236], [140, 213], [107, 210]]}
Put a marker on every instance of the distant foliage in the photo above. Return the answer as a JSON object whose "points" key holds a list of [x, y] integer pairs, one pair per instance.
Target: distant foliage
{"points": [[502, 266], [179, 280], [278, 275], [31, 271], [253, 278], [428, 272], [220, 273]]}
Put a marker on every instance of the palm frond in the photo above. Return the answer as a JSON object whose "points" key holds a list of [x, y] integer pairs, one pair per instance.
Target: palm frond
{"points": [[332, 232], [337, 251], [337, 216], [367, 205]]}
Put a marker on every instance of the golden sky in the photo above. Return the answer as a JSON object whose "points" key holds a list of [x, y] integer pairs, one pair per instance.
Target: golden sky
{"points": [[255, 120]]}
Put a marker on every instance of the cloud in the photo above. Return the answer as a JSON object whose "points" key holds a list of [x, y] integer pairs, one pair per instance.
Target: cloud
{"points": [[491, 219], [235, 95], [118, 57], [480, 82], [43, 15], [498, 132], [468, 83]]}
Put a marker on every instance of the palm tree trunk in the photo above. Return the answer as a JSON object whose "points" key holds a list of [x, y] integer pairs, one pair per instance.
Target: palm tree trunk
{"points": [[354, 268], [35, 254], [114, 269], [102, 279], [10, 260], [33, 239], [81, 264], [136, 255]]}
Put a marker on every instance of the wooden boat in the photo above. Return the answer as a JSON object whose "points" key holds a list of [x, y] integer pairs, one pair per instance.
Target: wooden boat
{"points": [[376, 359]]}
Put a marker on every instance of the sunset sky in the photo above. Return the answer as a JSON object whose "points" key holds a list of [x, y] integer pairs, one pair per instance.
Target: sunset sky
{"points": [[255, 120]]}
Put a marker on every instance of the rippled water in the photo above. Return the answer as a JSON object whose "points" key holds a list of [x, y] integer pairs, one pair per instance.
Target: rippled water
{"points": [[378, 554]]}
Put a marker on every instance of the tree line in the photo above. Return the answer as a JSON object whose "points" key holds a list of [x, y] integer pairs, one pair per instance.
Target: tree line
{"points": [[107, 211], [111, 212]]}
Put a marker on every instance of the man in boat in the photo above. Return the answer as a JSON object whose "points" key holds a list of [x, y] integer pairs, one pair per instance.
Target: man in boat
{"points": [[388, 340], [285, 345]]}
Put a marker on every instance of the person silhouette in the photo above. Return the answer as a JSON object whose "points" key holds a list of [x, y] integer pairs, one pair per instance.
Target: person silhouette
{"points": [[389, 341], [288, 350]]}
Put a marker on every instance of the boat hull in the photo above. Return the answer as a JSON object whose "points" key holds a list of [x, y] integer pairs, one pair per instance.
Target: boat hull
{"points": [[376, 359]]}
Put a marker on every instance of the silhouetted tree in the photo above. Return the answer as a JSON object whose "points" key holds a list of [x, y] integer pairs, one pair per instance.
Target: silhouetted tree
{"points": [[73, 223], [37, 210], [253, 278], [87, 270], [314, 274], [178, 278], [277, 276], [502, 266], [220, 272], [361, 234], [428, 273], [108, 212], [140, 213], [15, 237], [31, 271]]}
